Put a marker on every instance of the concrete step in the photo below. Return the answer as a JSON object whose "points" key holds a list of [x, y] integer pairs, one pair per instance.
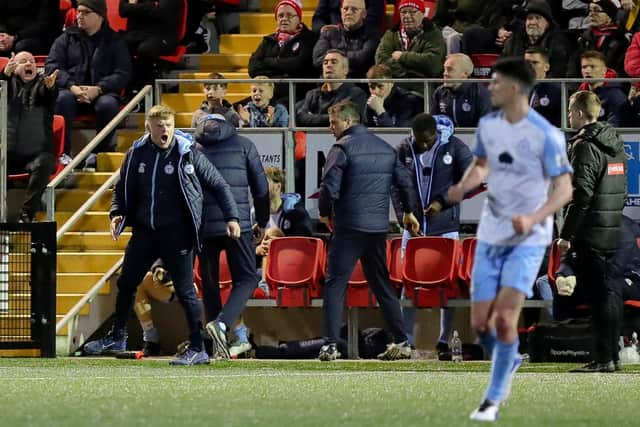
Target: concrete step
{"points": [[79, 283], [239, 43], [110, 162], [87, 262], [222, 62], [183, 102], [65, 302], [265, 23], [183, 119], [70, 200], [92, 180], [231, 87], [83, 241], [91, 221], [63, 331]]}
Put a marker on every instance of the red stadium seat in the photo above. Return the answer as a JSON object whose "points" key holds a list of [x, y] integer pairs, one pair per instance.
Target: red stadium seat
{"points": [[358, 292], [58, 149], [176, 56], [116, 22], [468, 253], [224, 278], [3, 62], [394, 261], [294, 270], [430, 269], [554, 262], [482, 64]]}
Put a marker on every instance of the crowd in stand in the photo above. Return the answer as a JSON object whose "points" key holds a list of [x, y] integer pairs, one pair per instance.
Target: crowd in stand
{"points": [[91, 68]]}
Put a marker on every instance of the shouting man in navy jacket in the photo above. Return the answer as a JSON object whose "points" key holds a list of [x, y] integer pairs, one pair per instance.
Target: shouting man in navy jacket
{"points": [[160, 195]]}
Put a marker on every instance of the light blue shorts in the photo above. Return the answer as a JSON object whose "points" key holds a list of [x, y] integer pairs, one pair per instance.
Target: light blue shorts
{"points": [[497, 266]]}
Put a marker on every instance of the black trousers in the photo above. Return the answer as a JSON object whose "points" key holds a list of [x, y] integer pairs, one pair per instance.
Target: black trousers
{"points": [[347, 246], [40, 167], [175, 247], [594, 272], [242, 264], [145, 48]]}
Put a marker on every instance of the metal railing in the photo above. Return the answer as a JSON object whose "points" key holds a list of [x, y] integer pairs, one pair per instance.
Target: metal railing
{"points": [[49, 193]]}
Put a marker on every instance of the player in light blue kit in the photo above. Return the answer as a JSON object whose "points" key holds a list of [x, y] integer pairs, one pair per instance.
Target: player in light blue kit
{"points": [[519, 154]]}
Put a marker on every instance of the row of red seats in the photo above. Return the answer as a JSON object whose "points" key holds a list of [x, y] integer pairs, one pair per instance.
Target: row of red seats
{"points": [[433, 270]]}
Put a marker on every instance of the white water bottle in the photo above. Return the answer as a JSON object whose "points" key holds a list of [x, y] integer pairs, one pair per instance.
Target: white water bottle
{"points": [[456, 347]]}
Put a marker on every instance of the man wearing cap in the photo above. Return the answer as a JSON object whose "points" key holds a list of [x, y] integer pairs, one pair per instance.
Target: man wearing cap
{"points": [[287, 52], [160, 195], [94, 67], [237, 159], [605, 35], [539, 30], [413, 49], [353, 37]]}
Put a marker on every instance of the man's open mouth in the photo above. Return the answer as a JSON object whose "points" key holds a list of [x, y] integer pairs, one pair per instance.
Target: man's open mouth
{"points": [[164, 138]]}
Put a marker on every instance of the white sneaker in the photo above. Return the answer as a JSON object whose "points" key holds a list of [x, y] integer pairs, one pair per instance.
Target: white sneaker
{"points": [[396, 351], [238, 348], [487, 411]]}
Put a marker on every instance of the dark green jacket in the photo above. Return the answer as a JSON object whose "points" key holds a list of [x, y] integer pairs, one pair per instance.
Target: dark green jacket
{"points": [[423, 59], [599, 163]]}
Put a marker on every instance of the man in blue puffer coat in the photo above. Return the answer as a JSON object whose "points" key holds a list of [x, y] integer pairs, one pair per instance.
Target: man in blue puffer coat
{"points": [[238, 161], [435, 160], [160, 195]]}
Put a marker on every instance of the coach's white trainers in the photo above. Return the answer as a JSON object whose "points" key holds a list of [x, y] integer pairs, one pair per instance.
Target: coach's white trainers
{"points": [[487, 411]]}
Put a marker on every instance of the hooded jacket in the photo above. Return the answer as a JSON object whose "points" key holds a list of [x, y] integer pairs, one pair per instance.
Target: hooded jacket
{"points": [[359, 45], [464, 104], [194, 172], [451, 159], [237, 160], [356, 184], [599, 188]]}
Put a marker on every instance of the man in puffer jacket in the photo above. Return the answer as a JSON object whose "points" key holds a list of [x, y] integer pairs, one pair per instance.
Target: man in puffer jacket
{"points": [[239, 164], [160, 194], [592, 222]]}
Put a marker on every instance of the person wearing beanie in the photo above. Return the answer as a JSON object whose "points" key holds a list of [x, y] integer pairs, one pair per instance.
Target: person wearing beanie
{"points": [[413, 49], [151, 32], [94, 67], [540, 31], [604, 35], [26, 25], [286, 53], [238, 161], [328, 15]]}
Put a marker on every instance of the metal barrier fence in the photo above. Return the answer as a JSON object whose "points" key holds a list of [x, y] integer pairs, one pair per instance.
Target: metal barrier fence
{"points": [[27, 289]]}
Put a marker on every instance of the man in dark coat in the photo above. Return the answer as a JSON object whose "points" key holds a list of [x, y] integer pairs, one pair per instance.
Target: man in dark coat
{"points": [[328, 14], [28, 25], [94, 68], [354, 204], [389, 105], [160, 195], [592, 222], [237, 159]]}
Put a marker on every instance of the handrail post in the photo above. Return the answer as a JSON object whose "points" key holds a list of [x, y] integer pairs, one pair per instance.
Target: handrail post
{"points": [[157, 93], [563, 103], [50, 201], [290, 143], [427, 106], [4, 88]]}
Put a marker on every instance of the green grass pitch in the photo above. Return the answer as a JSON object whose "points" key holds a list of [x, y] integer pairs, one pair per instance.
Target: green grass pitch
{"points": [[107, 392]]}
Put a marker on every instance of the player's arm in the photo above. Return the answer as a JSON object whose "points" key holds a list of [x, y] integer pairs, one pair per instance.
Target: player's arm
{"points": [[560, 196], [475, 175]]}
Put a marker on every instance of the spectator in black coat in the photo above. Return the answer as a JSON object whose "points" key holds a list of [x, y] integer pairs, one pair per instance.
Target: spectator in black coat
{"points": [[31, 99], [28, 25], [546, 97], [327, 14], [287, 53], [314, 111], [539, 30], [94, 68], [151, 32], [390, 105], [357, 40], [463, 103]]}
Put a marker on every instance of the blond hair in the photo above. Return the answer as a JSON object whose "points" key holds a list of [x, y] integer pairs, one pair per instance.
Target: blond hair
{"points": [[257, 82], [587, 102], [465, 62], [160, 112]]}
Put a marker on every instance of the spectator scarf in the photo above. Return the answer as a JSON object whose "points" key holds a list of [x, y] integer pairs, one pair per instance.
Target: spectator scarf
{"points": [[610, 74], [602, 33], [284, 37], [407, 37]]}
